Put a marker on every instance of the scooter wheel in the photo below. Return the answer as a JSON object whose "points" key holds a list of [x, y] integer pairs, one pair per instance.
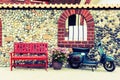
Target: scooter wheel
{"points": [[109, 66], [74, 65]]}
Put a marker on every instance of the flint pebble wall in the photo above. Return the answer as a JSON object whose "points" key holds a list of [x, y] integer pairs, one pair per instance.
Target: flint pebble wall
{"points": [[41, 26]]}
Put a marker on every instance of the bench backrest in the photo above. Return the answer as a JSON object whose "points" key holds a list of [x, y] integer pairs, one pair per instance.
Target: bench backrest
{"points": [[21, 47]]}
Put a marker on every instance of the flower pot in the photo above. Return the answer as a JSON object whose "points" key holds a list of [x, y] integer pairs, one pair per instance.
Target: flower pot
{"points": [[56, 65]]}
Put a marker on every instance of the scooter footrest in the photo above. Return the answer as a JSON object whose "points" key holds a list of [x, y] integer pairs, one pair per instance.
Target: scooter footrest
{"points": [[90, 65]]}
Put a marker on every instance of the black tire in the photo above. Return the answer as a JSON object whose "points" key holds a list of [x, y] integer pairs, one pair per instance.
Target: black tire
{"points": [[74, 65], [109, 66]]}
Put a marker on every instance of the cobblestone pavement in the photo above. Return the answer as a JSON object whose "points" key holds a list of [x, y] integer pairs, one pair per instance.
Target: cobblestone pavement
{"points": [[63, 74]]}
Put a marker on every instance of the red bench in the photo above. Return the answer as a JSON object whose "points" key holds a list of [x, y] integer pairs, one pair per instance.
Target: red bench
{"points": [[29, 52]]}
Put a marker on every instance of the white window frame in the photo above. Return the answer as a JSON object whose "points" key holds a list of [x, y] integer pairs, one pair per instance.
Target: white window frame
{"points": [[76, 32]]}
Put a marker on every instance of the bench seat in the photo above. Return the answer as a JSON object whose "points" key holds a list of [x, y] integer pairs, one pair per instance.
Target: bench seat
{"points": [[29, 58], [29, 51]]}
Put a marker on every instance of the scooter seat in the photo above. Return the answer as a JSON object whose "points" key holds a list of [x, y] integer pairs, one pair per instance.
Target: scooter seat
{"points": [[85, 50]]}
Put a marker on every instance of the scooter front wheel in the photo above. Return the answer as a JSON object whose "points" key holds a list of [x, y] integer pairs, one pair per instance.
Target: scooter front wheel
{"points": [[74, 65], [109, 66]]}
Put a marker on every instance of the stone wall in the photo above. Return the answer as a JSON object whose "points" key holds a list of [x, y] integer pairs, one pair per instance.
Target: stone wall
{"points": [[41, 26], [107, 30], [27, 26]]}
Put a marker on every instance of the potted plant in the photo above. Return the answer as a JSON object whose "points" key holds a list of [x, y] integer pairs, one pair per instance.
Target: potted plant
{"points": [[59, 56]]}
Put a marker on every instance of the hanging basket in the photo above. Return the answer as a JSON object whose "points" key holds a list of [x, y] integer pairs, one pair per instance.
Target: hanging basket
{"points": [[56, 65]]}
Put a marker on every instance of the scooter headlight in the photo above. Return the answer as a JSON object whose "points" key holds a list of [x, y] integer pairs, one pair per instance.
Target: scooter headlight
{"points": [[82, 54]]}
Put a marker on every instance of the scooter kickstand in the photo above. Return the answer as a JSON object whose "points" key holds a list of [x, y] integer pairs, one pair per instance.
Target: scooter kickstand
{"points": [[92, 69]]}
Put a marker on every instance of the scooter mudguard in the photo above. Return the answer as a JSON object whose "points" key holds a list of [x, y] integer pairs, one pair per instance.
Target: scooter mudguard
{"points": [[109, 58]]}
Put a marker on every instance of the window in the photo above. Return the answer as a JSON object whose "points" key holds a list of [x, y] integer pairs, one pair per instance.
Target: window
{"points": [[17, 0], [38, 0], [20, 0], [75, 30]]}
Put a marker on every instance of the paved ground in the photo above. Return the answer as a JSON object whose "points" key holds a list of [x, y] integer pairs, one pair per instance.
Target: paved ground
{"points": [[64, 74]]}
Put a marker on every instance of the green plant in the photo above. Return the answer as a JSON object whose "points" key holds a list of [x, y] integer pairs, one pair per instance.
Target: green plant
{"points": [[59, 54]]}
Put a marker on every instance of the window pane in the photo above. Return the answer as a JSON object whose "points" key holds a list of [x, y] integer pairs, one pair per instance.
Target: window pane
{"points": [[72, 20], [71, 28], [80, 33], [39, 0], [85, 31], [76, 33], [17, 0]]}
